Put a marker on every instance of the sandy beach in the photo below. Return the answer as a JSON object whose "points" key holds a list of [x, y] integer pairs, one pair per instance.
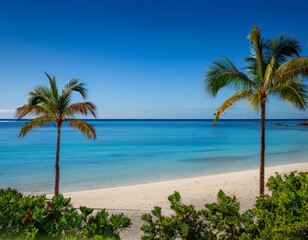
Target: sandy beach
{"points": [[135, 200]]}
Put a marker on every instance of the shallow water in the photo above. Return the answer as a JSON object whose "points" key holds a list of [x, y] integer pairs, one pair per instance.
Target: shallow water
{"points": [[128, 152]]}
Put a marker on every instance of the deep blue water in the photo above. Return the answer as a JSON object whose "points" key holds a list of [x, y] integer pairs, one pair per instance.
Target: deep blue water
{"points": [[128, 152]]}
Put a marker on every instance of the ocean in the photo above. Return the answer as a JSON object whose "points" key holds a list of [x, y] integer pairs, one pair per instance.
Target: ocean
{"points": [[138, 151]]}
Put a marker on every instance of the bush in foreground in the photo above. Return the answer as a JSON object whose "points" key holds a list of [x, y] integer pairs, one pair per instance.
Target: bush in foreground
{"points": [[281, 215], [284, 213], [36, 217]]}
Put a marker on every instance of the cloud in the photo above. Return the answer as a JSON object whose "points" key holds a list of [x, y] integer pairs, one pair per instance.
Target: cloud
{"points": [[7, 113]]}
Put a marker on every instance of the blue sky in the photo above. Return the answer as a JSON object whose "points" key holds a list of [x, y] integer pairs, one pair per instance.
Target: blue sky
{"points": [[139, 59]]}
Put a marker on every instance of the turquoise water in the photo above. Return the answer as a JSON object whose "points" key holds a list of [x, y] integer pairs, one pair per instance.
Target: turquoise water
{"points": [[128, 152]]}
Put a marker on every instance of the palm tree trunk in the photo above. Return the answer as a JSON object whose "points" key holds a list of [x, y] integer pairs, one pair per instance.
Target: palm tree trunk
{"points": [[262, 151], [57, 168]]}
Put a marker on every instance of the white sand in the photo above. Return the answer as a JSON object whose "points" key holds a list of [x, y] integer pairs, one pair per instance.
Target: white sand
{"points": [[135, 200]]}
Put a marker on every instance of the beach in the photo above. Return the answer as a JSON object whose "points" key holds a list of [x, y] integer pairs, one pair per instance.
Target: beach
{"points": [[135, 200]]}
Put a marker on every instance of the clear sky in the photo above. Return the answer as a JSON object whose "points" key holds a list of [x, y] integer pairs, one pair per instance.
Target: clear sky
{"points": [[139, 59]]}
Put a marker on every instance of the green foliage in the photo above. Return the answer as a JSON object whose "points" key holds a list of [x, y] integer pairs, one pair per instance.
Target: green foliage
{"points": [[220, 220], [225, 220], [281, 215], [284, 213], [36, 217]]}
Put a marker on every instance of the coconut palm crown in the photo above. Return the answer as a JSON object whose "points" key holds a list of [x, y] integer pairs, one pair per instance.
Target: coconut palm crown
{"points": [[274, 68], [50, 106]]}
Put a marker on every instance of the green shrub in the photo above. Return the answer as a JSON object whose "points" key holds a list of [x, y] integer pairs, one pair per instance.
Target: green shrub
{"points": [[284, 213], [186, 223], [281, 215], [36, 217], [220, 220]]}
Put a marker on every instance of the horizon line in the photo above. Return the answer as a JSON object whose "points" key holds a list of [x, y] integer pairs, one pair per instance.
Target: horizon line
{"points": [[170, 119]]}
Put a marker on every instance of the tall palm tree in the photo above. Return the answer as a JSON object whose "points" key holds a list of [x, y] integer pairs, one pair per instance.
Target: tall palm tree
{"points": [[274, 68], [52, 107]]}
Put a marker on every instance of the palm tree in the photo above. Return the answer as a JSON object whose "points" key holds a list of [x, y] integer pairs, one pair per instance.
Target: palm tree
{"points": [[274, 68], [51, 107]]}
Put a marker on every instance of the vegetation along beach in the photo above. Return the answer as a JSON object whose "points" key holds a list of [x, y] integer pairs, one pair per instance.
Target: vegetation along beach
{"points": [[153, 120]]}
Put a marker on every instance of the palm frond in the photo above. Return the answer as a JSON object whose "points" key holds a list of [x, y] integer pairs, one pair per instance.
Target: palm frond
{"points": [[284, 47], [269, 72], [80, 108], [292, 69], [229, 102], [224, 73], [294, 93], [29, 110], [67, 90], [73, 85], [36, 123], [281, 49], [40, 94], [85, 128], [256, 64], [53, 86], [64, 102], [254, 101]]}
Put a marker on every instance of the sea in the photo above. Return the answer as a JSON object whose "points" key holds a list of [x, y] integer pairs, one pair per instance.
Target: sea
{"points": [[128, 152]]}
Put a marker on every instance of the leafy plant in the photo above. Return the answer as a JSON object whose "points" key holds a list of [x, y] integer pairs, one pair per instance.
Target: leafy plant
{"points": [[281, 215], [220, 220], [284, 213], [225, 219], [36, 217]]}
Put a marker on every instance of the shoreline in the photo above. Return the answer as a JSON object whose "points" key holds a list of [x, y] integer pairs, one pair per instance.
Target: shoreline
{"points": [[142, 182], [134, 200], [171, 179]]}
